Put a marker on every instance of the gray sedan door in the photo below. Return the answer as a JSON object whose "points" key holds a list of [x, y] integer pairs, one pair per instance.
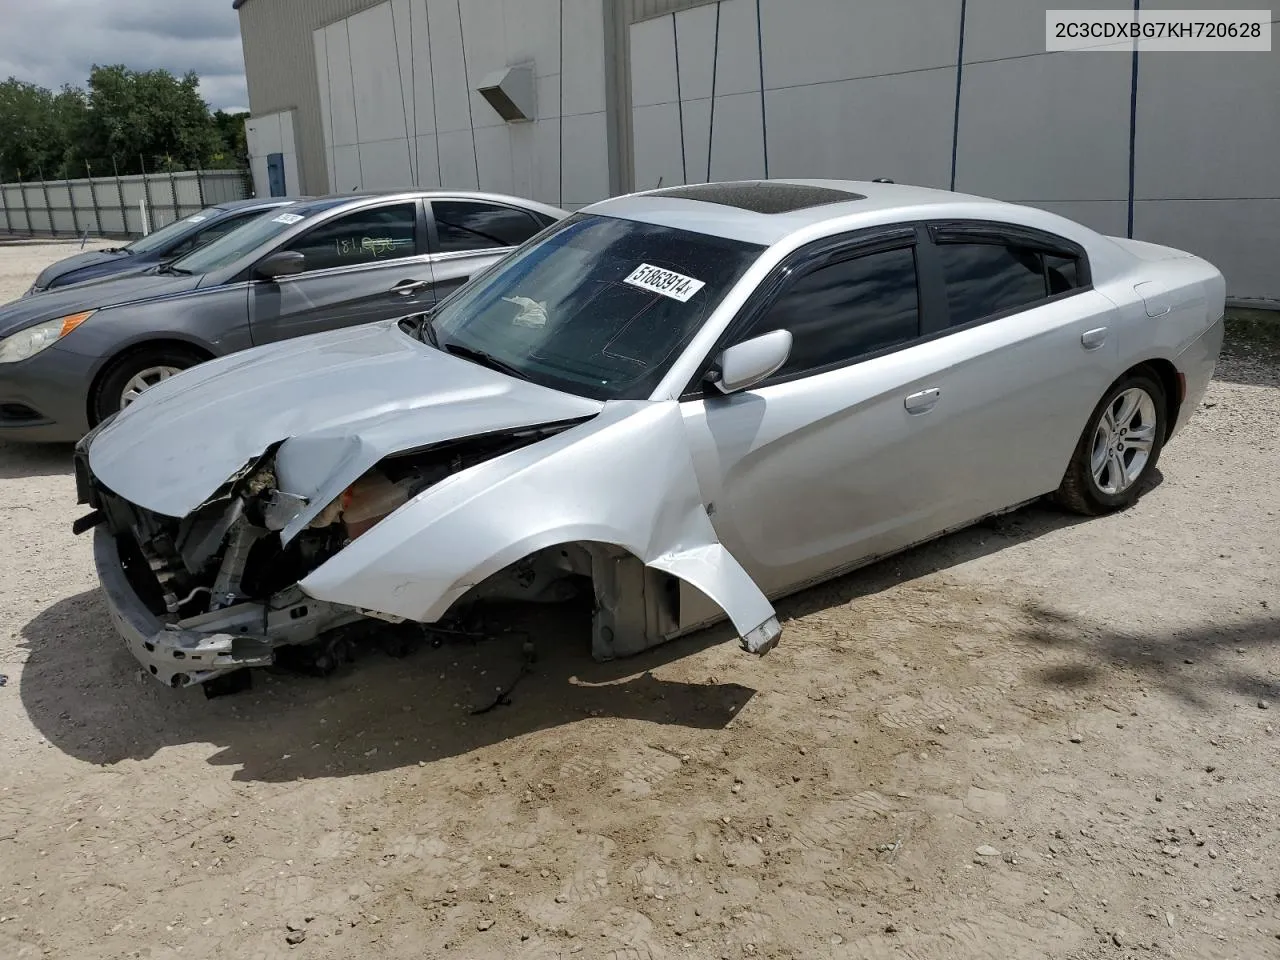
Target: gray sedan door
{"points": [[362, 266], [469, 235]]}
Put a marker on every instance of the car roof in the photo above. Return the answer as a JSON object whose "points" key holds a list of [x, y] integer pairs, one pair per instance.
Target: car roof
{"points": [[438, 193], [768, 211], [265, 203]]}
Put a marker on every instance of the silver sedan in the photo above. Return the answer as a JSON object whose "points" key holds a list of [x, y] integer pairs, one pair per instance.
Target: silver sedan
{"points": [[695, 399]]}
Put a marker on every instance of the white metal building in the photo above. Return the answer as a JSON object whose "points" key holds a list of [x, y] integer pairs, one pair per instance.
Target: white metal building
{"points": [[607, 96]]}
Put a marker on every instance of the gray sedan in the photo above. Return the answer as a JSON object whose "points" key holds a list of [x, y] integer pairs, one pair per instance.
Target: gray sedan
{"points": [[70, 358]]}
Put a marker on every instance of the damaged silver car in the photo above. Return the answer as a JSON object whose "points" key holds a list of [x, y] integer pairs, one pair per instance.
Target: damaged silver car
{"points": [[690, 400]]}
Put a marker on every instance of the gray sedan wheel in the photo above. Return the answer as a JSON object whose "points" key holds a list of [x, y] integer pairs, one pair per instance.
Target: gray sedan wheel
{"points": [[1119, 447], [131, 375], [144, 379]]}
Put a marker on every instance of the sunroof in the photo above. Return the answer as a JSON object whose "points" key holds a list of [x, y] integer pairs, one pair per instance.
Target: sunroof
{"points": [[759, 196]]}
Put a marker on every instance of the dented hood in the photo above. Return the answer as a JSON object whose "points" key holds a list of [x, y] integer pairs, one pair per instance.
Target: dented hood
{"points": [[340, 401]]}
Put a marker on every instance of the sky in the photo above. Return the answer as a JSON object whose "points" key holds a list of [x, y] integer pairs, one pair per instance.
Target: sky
{"points": [[52, 42]]}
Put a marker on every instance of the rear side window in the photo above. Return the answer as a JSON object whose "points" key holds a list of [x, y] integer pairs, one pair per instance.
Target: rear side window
{"points": [[984, 279], [470, 225], [1063, 273], [987, 278], [846, 310]]}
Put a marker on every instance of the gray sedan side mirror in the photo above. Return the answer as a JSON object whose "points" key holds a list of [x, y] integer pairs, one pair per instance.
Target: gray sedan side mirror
{"points": [[282, 263], [745, 364]]}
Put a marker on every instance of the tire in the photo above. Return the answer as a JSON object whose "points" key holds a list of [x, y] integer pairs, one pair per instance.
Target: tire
{"points": [[163, 360], [1133, 412]]}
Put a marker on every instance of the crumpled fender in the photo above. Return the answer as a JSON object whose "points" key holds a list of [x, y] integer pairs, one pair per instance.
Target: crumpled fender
{"points": [[624, 478]]}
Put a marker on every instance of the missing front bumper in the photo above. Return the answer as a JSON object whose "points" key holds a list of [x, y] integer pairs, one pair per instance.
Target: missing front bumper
{"points": [[232, 640]]}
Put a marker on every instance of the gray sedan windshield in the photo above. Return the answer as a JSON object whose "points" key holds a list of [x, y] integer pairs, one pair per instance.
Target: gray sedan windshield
{"points": [[241, 241], [597, 306], [248, 237]]}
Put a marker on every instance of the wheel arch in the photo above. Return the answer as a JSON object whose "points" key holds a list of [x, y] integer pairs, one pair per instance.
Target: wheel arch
{"points": [[1166, 374]]}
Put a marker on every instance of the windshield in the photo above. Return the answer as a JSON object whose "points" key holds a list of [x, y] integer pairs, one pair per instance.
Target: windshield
{"points": [[172, 233], [230, 247], [598, 306]]}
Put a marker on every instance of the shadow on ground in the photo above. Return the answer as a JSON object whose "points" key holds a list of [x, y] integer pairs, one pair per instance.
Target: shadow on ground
{"points": [[19, 461], [85, 693], [87, 696], [1192, 665]]}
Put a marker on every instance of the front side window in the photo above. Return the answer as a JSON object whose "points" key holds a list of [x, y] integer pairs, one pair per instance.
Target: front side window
{"points": [[983, 279], [370, 235], [845, 310], [471, 225], [598, 306]]}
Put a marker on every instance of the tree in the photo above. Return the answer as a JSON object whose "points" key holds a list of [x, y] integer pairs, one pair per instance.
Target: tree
{"points": [[126, 122], [39, 129], [235, 147], [138, 117]]}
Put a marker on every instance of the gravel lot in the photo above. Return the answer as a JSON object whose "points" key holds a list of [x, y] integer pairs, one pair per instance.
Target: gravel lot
{"points": [[1037, 738]]}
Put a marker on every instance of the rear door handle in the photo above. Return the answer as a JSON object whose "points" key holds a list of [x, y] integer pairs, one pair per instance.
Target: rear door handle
{"points": [[1093, 339], [407, 287], [922, 402]]}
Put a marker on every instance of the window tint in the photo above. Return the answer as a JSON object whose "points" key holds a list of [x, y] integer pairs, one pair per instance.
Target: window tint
{"points": [[365, 236], [1063, 273], [985, 278], [846, 310], [467, 225]]}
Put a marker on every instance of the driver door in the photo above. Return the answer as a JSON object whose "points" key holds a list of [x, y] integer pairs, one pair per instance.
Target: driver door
{"points": [[362, 266], [833, 458]]}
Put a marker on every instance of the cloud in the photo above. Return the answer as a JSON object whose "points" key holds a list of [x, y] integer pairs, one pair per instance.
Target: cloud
{"points": [[56, 42]]}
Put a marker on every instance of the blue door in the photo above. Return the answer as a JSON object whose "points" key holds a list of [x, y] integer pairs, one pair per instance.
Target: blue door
{"points": [[275, 174]]}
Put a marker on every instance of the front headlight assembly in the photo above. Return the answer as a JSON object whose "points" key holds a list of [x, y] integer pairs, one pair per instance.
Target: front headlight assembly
{"points": [[27, 343]]}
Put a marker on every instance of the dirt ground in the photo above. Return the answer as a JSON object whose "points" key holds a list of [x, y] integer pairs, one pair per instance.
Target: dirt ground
{"points": [[1037, 738]]}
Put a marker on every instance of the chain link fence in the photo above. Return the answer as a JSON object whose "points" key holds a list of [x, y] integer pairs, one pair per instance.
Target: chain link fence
{"points": [[117, 207]]}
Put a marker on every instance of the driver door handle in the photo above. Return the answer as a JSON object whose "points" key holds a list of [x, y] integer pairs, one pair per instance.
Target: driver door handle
{"points": [[922, 402], [407, 287]]}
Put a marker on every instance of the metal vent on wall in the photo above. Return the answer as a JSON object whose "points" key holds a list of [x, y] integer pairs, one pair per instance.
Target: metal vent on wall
{"points": [[510, 92]]}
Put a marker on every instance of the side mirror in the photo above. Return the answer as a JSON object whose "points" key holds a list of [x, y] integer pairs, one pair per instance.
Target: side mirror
{"points": [[282, 263], [745, 364]]}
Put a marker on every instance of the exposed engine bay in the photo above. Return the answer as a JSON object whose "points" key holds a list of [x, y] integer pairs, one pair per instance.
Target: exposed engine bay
{"points": [[224, 582]]}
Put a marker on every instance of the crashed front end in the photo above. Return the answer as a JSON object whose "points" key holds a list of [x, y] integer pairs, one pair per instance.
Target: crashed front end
{"points": [[218, 590], [317, 533]]}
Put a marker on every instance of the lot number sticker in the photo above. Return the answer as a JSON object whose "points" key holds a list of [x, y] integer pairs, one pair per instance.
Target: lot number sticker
{"points": [[666, 282], [287, 218]]}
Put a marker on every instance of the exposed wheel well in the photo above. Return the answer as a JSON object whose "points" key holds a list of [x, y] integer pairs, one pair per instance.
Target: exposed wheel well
{"points": [[146, 346], [1167, 374]]}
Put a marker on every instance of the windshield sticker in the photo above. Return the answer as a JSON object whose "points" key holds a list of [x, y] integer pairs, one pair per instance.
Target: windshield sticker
{"points": [[666, 282], [196, 219], [286, 218]]}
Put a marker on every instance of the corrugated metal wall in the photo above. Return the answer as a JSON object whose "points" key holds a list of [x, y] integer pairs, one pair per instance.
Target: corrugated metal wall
{"points": [[280, 66], [618, 62]]}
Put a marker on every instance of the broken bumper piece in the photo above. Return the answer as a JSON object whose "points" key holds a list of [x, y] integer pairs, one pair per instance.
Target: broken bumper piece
{"points": [[229, 639], [763, 638]]}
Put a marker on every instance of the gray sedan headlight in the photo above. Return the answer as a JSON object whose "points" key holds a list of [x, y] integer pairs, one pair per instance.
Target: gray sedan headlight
{"points": [[27, 343]]}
